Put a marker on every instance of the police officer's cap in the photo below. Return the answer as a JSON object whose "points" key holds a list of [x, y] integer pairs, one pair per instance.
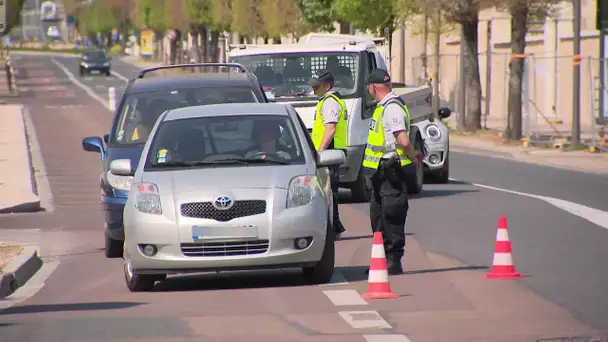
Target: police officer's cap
{"points": [[378, 76], [322, 76]]}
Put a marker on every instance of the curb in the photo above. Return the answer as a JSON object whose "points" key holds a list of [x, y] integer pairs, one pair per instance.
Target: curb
{"points": [[19, 271]]}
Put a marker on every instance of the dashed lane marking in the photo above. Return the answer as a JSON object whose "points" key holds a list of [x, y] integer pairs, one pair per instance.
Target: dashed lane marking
{"points": [[364, 319], [386, 338], [82, 86], [347, 297]]}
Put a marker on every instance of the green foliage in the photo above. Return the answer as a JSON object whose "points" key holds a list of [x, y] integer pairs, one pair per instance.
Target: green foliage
{"points": [[98, 17], [279, 17], [318, 14], [153, 13], [198, 12], [221, 13], [372, 15], [246, 17], [116, 50]]}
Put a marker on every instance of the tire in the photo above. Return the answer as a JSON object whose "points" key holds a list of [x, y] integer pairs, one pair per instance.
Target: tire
{"points": [[361, 189], [322, 272], [138, 282], [80, 72], [415, 172], [108, 72], [443, 176], [113, 248]]}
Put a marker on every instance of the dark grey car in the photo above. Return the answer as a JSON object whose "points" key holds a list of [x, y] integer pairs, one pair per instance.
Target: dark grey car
{"points": [[96, 60]]}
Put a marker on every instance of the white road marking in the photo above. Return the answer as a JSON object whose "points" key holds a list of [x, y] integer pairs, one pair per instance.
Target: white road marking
{"points": [[336, 279], [386, 338], [35, 284], [364, 319], [119, 76], [74, 80], [348, 297], [596, 216], [42, 181]]}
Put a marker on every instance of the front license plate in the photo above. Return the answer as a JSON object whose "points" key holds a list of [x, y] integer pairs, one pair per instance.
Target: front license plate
{"points": [[209, 233]]}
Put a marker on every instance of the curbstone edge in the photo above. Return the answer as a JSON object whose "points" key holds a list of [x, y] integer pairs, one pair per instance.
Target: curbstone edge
{"points": [[19, 271]]}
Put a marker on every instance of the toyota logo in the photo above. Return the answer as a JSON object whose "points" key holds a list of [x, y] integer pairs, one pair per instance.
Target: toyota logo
{"points": [[223, 203]]}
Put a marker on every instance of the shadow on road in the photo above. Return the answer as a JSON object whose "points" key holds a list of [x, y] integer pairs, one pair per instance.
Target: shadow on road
{"points": [[233, 280], [441, 193], [361, 237], [358, 273], [68, 307]]}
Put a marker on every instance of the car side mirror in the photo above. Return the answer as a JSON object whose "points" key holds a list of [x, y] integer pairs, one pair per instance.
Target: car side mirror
{"points": [[330, 158], [94, 144], [121, 167], [444, 113], [106, 138]]}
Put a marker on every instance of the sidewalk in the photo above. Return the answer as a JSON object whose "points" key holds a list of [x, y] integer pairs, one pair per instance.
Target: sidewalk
{"points": [[489, 143], [18, 191]]}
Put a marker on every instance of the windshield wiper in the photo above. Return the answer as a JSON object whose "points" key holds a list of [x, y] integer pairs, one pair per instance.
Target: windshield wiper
{"points": [[246, 161]]}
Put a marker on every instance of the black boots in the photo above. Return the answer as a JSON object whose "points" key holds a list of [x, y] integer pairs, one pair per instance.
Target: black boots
{"points": [[393, 265]]}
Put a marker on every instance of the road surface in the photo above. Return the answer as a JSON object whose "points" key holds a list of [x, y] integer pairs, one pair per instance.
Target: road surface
{"points": [[451, 229]]}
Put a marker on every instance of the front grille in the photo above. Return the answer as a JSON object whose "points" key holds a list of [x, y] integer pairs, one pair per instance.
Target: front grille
{"points": [[219, 249], [206, 210]]}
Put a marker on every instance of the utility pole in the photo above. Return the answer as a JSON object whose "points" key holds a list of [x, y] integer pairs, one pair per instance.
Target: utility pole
{"points": [[437, 53], [488, 74], [462, 84], [402, 50], [602, 26], [576, 76]]}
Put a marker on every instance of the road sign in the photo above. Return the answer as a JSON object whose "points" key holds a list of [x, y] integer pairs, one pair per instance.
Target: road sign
{"points": [[171, 34], [3, 17]]}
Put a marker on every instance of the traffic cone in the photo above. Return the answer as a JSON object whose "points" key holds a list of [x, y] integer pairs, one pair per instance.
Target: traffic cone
{"points": [[502, 265], [377, 283]]}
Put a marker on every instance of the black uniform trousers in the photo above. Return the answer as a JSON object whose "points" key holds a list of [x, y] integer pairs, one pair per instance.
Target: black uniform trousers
{"points": [[388, 208], [334, 175]]}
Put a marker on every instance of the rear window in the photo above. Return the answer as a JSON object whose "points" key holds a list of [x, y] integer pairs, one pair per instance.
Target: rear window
{"points": [[140, 111]]}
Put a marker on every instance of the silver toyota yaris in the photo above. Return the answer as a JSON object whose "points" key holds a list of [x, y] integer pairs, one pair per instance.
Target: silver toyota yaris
{"points": [[228, 187]]}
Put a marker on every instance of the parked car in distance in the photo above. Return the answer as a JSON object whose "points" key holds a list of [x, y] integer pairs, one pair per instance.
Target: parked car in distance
{"points": [[97, 61], [142, 102], [228, 187]]}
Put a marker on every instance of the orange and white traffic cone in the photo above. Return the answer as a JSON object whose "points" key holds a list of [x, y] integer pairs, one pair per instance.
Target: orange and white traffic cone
{"points": [[502, 265], [377, 283]]}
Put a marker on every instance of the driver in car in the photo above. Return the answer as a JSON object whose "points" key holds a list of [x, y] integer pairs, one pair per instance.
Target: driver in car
{"points": [[265, 135]]}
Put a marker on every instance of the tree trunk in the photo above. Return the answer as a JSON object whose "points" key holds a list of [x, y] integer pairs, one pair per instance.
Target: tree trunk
{"points": [[472, 78], [519, 28], [204, 44], [195, 49], [344, 27], [215, 36]]}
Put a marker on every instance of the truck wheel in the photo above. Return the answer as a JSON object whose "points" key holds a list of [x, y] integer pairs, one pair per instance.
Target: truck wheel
{"points": [[415, 179], [324, 269], [443, 175], [361, 190]]}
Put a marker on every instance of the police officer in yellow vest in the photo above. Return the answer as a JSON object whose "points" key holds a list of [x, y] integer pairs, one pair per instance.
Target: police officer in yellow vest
{"points": [[329, 129], [387, 151]]}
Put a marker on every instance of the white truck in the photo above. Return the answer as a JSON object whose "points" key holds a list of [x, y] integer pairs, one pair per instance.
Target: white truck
{"points": [[285, 69]]}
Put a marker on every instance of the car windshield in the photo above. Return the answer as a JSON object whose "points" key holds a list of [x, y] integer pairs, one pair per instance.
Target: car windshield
{"points": [[140, 110], [285, 76], [233, 140], [95, 56]]}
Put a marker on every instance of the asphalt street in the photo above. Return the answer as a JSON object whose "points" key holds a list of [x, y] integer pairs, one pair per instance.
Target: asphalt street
{"points": [[563, 256]]}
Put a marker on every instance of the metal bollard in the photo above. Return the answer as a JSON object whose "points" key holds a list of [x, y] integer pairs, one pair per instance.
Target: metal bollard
{"points": [[9, 76], [112, 98]]}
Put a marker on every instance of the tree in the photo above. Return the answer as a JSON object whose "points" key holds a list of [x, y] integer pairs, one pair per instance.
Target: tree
{"points": [[97, 18], [466, 13], [280, 17], [318, 14], [523, 12], [198, 16], [247, 19], [14, 15]]}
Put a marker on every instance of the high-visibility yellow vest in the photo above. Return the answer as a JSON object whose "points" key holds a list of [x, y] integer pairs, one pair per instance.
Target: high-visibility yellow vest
{"points": [[318, 128], [375, 148]]}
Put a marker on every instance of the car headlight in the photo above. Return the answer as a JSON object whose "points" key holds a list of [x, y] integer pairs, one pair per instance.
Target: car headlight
{"points": [[86, 65], [301, 191], [147, 199], [119, 182], [106, 64], [433, 132]]}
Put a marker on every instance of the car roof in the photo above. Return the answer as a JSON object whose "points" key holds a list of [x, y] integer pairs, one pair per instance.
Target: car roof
{"points": [[225, 109], [154, 83], [93, 51]]}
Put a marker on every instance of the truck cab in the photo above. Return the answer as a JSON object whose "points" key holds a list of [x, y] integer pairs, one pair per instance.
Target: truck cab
{"points": [[285, 69]]}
